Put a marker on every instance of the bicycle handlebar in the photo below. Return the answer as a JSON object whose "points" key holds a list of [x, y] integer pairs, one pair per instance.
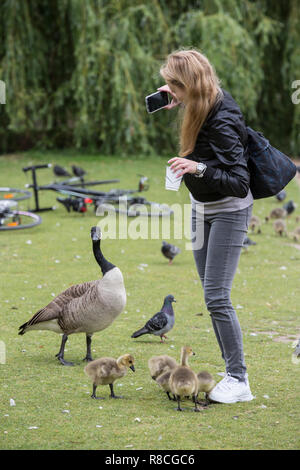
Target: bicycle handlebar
{"points": [[37, 167]]}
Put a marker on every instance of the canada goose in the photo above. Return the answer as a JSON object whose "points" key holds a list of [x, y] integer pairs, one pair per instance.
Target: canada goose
{"points": [[206, 382], [280, 227], [163, 381], [106, 370], [83, 308], [183, 381], [277, 213], [255, 224]]}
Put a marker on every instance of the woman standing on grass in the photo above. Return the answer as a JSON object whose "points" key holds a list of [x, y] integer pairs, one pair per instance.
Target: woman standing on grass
{"points": [[213, 164]]}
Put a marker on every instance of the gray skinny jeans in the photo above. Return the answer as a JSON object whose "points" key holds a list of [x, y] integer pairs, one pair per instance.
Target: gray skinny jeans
{"points": [[216, 262]]}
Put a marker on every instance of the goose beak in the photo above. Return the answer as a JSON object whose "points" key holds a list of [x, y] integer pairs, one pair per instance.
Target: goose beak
{"points": [[132, 368]]}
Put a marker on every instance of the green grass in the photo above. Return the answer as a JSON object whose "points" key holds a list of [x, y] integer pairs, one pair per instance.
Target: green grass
{"points": [[43, 389]]}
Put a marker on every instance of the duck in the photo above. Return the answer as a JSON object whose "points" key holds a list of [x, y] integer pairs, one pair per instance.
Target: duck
{"points": [[255, 224], [169, 251], [161, 323], [183, 381], [83, 308], [280, 227], [106, 370], [206, 383], [158, 365]]}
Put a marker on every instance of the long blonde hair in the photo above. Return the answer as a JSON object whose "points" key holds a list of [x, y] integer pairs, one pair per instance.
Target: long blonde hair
{"points": [[191, 71]]}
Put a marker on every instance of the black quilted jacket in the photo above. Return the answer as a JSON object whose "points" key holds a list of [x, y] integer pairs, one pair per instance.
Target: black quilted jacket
{"points": [[221, 145]]}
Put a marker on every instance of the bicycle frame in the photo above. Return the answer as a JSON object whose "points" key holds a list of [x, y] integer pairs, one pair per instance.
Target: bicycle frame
{"points": [[61, 187]]}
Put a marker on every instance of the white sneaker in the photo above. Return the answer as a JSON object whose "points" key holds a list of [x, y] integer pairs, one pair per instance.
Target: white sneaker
{"points": [[231, 390]]}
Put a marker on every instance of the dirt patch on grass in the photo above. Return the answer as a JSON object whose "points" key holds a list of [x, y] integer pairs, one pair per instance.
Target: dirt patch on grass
{"points": [[285, 339]]}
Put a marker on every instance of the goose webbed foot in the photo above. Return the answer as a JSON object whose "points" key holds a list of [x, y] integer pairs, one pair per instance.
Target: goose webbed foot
{"points": [[87, 358], [112, 393], [63, 362]]}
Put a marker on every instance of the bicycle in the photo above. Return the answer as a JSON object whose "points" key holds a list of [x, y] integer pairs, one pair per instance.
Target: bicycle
{"points": [[14, 219], [116, 200]]}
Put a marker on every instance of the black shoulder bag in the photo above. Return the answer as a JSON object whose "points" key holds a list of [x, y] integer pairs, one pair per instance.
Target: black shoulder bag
{"points": [[270, 170]]}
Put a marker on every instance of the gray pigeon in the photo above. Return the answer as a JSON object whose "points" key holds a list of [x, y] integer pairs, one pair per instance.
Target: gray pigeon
{"points": [[289, 207], [169, 251], [161, 322], [281, 195], [247, 242]]}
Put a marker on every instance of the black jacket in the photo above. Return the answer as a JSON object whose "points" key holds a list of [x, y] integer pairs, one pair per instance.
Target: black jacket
{"points": [[222, 145]]}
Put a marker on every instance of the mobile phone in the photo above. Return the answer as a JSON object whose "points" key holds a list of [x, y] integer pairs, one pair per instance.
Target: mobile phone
{"points": [[157, 101]]}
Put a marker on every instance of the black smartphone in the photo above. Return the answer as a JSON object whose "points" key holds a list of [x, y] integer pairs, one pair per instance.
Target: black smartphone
{"points": [[156, 101]]}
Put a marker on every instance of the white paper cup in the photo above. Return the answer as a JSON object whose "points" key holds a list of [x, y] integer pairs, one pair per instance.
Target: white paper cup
{"points": [[172, 181]]}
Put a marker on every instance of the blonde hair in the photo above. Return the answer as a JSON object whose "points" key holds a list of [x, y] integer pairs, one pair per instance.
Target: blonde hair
{"points": [[191, 71]]}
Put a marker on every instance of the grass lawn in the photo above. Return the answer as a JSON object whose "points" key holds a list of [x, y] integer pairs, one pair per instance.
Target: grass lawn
{"points": [[53, 408]]}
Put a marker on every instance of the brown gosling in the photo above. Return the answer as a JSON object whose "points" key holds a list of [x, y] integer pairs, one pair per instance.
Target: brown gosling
{"points": [[206, 382], [160, 364], [277, 213], [280, 227], [296, 234], [254, 224], [183, 381], [105, 370], [163, 381]]}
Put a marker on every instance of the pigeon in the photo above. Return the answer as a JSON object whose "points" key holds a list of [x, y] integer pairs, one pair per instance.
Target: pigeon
{"points": [[60, 171], [169, 251], [289, 207], [247, 242], [161, 322], [281, 195], [78, 171]]}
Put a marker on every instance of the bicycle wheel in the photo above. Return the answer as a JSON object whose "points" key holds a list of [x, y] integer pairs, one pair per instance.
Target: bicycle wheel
{"points": [[12, 194], [17, 220], [134, 209]]}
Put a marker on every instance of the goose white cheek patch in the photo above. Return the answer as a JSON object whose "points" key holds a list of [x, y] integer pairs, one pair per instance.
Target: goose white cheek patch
{"points": [[172, 182]]}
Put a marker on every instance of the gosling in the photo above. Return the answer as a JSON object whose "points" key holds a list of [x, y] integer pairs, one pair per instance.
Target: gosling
{"points": [[206, 383], [255, 223], [183, 381], [296, 234], [280, 227], [105, 370], [158, 365], [163, 381], [277, 213]]}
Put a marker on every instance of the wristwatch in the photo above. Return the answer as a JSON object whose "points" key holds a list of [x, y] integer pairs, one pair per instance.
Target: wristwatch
{"points": [[201, 167]]}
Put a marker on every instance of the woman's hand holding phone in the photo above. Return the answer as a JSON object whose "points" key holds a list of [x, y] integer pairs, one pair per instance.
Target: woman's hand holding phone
{"points": [[174, 101]]}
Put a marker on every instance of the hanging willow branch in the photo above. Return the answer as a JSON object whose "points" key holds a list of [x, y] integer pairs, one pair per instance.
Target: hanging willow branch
{"points": [[77, 72]]}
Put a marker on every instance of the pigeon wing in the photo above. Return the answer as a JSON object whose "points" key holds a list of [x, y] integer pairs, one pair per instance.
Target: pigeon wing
{"points": [[157, 322]]}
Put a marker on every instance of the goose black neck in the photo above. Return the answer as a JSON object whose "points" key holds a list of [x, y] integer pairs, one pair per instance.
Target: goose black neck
{"points": [[103, 263]]}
